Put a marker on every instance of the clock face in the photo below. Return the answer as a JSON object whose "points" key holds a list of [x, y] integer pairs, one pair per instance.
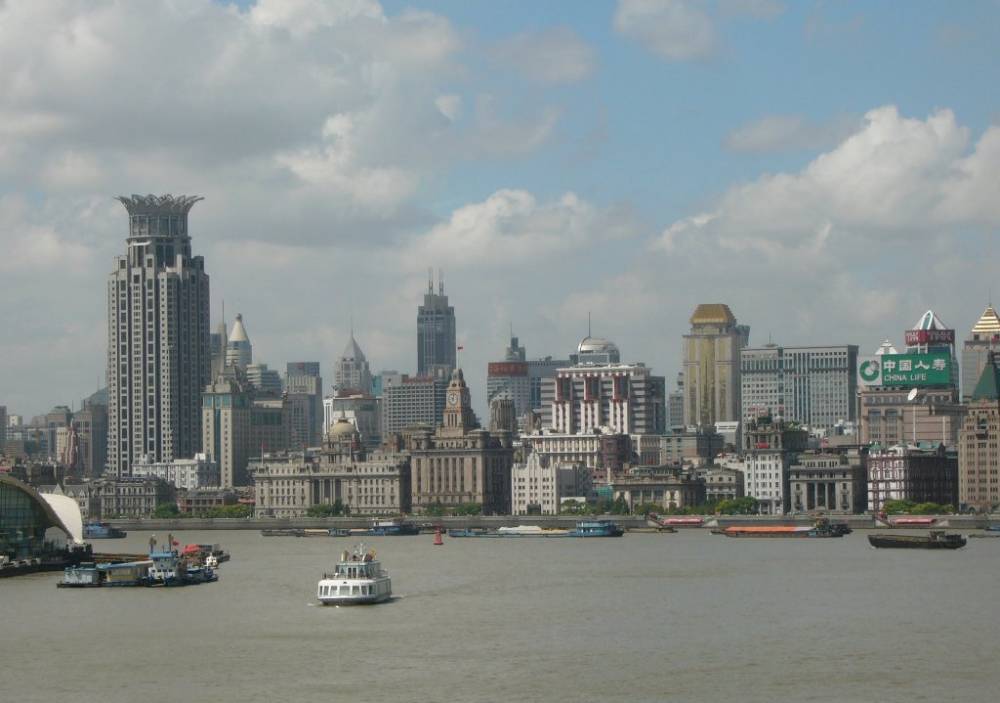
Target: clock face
{"points": [[453, 399]]}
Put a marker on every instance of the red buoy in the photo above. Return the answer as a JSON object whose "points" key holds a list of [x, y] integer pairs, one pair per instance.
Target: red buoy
{"points": [[437, 537]]}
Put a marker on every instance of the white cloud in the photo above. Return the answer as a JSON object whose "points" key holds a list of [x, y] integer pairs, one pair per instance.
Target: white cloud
{"points": [[760, 9], [858, 238], [304, 16], [314, 129], [677, 30], [512, 228], [789, 133], [552, 56], [894, 175]]}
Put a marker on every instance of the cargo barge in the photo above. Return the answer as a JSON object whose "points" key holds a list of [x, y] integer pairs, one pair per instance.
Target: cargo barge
{"points": [[584, 528], [821, 529], [937, 539]]}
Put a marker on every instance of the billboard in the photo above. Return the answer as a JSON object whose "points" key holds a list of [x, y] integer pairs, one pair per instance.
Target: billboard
{"points": [[916, 338], [905, 370], [507, 368]]}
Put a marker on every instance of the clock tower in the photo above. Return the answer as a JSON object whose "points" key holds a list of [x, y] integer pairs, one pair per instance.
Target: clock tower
{"points": [[458, 416]]}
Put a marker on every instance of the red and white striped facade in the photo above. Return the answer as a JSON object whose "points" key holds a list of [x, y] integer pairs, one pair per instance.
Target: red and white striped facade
{"points": [[620, 398]]}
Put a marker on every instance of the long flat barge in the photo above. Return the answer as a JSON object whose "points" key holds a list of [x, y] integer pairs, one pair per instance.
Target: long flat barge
{"points": [[585, 528]]}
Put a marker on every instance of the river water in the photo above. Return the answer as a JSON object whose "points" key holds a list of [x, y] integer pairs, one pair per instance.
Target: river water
{"points": [[689, 616]]}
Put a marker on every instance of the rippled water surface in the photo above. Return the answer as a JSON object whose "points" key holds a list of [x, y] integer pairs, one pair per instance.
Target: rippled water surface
{"points": [[682, 617]]}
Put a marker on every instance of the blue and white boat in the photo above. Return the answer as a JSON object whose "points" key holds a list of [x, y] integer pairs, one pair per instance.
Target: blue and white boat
{"points": [[383, 528], [102, 530], [597, 528]]}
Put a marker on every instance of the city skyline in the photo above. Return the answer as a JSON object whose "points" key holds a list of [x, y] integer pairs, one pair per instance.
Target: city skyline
{"points": [[544, 194]]}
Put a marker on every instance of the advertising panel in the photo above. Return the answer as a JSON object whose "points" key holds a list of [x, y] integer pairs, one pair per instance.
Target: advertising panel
{"points": [[905, 370], [507, 368], [919, 337]]}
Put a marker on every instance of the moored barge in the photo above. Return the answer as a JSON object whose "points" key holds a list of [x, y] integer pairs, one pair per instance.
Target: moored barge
{"points": [[937, 539]]}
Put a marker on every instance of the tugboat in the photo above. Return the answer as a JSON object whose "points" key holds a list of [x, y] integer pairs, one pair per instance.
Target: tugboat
{"points": [[358, 579], [937, 539]]}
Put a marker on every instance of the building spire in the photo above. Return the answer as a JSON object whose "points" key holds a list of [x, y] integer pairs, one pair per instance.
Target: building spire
{"points": [[440, 281], [430, 280]]}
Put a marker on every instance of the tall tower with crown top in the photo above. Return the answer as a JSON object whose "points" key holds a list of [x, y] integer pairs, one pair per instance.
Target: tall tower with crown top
{"points": [[435, 332]]}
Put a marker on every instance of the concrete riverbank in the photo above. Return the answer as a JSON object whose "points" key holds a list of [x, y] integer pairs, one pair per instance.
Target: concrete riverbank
{"points": [[858, 522]]}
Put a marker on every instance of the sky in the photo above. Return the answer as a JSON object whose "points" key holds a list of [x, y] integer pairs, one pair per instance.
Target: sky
{"points": [[827, 169]]}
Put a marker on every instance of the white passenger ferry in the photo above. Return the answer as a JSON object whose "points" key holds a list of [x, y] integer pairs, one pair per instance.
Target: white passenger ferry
{"points": [[357, 579]]}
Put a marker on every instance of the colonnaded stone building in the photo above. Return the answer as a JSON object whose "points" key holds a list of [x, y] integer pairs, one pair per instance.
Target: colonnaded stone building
{"points": [[159, 358], [459, 462], [376, 483]]}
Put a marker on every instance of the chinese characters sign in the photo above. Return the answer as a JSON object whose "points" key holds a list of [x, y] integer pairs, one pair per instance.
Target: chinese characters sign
{"points": [[905, 370]]}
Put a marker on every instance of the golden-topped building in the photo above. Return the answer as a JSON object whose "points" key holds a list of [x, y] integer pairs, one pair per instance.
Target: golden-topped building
{"points": [[712, 366]]}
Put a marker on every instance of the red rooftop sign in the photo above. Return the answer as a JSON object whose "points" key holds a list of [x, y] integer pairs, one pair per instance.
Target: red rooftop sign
{"points": [[917, 337], [507, 368]]}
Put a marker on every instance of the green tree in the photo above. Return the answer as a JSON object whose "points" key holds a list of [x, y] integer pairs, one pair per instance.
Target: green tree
{"points": [[166, 511], [619, 507], [467, 509], [747, 505], [230, 511], [336, 510], [896, 507], [435, 509]]}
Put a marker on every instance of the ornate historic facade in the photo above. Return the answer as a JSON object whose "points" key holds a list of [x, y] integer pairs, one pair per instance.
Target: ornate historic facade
{"points": [[460, 463]]}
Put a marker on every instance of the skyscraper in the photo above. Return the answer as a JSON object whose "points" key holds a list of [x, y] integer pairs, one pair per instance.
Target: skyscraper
{"points": [[815, 386], [435, 333], [712, 366], [984, 338], [352, 372], [159, 359], [304, 398]]}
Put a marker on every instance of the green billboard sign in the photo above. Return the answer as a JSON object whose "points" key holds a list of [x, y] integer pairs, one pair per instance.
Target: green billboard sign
{"points": [[905, 370]]}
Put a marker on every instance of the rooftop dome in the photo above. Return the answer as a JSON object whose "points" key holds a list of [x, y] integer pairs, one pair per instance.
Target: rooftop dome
{"points": [[713, 314], [341, 428], [596, 345]]}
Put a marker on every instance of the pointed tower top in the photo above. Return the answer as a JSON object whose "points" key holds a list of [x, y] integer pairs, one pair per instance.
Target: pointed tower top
{"points": [[430, 280], [988, 323], [353, 350], [239, 333], [988, 387], [930, 321], [440, 281]]}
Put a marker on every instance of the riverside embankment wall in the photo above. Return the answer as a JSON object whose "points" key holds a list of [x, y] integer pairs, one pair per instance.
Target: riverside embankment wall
{"points": [[859, 522]]}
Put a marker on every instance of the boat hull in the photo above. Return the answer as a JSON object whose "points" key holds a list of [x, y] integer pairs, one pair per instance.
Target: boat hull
{"points": [[915, 542], [356, 600]]}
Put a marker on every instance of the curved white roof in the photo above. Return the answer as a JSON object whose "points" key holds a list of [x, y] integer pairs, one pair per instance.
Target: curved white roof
{"points": [[930, 321], [68, 512], [596, 345]]}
